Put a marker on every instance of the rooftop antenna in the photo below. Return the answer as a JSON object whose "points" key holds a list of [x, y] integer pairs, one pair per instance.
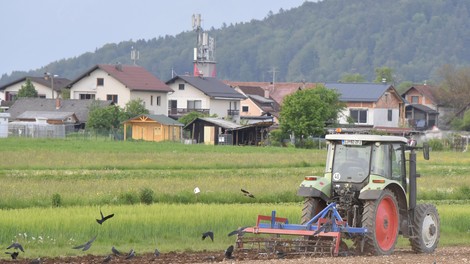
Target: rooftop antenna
{"points": [[273, 71], [135, 55], [204, 52]]}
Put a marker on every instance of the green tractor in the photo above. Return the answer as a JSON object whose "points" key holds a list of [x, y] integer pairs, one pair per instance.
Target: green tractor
{"points": [[367, 177]]}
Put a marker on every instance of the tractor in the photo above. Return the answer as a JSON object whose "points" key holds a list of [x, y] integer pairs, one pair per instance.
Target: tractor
{"points": [[366, 195]]}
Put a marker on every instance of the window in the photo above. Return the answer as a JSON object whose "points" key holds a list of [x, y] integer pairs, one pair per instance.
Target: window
{"points": [[415, 99], [159, 100], [112, 97], [151, 100], [99, 82], [181, 86], [245, 108], [196, 104], [358, 115], [389, 115], [42, 96], [87, 96]]}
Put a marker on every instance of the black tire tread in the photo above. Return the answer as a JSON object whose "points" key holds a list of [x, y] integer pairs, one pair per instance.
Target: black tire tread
{"points": [[417, 244]]}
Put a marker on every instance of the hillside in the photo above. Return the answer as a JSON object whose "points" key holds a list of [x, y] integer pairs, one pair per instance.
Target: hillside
{"points": [[316, 42]]}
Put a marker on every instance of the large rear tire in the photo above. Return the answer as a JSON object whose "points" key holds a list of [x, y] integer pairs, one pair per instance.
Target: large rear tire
{"points": [[381, 218], [426, 229], [312, 206]]}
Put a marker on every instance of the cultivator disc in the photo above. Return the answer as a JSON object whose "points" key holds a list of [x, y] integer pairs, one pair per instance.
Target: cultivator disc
{"points": [[280, 247]]}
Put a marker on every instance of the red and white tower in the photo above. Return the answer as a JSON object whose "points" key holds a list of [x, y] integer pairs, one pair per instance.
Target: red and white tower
{"points": [[204, 53]]}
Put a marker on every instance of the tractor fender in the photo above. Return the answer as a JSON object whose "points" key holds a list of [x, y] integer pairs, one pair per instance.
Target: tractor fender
{"points": [[305, 191]]}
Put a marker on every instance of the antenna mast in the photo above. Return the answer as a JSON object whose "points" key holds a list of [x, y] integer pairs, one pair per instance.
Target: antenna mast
{"points": [[135, 55], [204, 52]]}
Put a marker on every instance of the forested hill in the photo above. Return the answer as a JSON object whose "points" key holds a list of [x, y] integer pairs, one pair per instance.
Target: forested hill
{"points": [[316, 42]]}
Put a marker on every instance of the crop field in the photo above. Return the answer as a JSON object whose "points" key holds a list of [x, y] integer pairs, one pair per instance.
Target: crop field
{"points": [[53, 190]]}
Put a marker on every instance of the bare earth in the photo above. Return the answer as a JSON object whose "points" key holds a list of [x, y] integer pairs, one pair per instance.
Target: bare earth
{"points": [[442, 255]]}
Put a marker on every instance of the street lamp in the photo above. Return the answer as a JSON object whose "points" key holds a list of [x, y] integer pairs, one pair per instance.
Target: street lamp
{"points": [[48, 75]]}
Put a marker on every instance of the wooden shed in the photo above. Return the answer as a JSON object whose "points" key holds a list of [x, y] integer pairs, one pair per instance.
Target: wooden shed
{"points": [[154, 128]]}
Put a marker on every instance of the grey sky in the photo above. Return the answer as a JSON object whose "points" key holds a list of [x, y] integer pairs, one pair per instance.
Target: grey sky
{"points": [[35, 33]]}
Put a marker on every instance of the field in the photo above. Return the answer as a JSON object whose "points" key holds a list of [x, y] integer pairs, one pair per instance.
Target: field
{"points": [[53, 190]]}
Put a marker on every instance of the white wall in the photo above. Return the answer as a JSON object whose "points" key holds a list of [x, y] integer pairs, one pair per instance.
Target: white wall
{"points": [[190, 93], [154, 109], [41, 89], [381, 118]]}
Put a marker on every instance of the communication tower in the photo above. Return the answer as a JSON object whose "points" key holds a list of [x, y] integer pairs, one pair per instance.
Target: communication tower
{"points": [[204, 52]]}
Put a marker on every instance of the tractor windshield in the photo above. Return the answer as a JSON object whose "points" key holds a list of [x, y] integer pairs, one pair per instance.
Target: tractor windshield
{"points": [[351, 163]]}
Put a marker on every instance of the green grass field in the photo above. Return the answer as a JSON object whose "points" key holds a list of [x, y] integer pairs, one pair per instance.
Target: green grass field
{"points": [[112, 175]]}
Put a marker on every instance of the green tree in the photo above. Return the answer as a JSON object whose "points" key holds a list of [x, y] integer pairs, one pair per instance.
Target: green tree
{"points": [[27, 90], [65, 93], [306, 112], [383, 73], [187, 118], [352, 78], [105, 118], [135, 108]]}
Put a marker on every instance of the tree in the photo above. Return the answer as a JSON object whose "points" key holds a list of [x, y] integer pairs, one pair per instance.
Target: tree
{"points": [[27, 90], [352, 78], [105, 118], [454, 89], [307, 112], [187, 118], [384, 74], [134, 108]]}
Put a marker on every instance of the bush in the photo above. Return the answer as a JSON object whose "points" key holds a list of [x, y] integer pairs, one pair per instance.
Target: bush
{"points": [[56, 200], [436, 144], [276, 137], [129, 198], [146, 196]]}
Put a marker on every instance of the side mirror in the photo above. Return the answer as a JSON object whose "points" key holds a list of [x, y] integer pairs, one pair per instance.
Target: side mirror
{"points": [[426, 150]]}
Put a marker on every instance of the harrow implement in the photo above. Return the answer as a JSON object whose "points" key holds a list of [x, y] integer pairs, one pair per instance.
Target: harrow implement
{"points": [[320, 236]]}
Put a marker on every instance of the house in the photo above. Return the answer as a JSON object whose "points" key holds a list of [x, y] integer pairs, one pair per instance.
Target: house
{"points": [[370, 105], [38, 107], [154, 128], [46, 88], [216, 131], [422, 110], [258, 105], [120, 84], [203, 94]]}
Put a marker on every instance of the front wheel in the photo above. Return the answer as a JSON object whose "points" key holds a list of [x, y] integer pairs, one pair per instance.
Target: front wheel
{"points": [[426, 229], [381, 219]]}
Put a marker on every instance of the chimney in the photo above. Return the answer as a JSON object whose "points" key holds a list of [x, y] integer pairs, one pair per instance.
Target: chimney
{"points": [[57, 103], [266, 93]]}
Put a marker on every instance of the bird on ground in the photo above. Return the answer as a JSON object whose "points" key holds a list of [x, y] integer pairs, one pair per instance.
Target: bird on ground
{"points": [[107, 259], [85, 246], [156, 253], [16, 245], [280, 254], [208, 234], [103, 218], [228, 252], [247, 193], [131, 254], [240, 231], [36, 261], [13, 255], [115, 251]]}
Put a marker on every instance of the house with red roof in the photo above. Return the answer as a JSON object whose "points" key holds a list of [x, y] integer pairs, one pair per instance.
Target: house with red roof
{"points": [[422, 109], [120, 84], [258, 105]]}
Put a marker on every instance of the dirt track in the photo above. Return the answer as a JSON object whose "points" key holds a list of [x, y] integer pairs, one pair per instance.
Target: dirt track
{"points": [[442, 255]]}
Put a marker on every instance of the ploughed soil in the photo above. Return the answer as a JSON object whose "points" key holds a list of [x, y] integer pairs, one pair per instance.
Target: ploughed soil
{"points": [[458, 254]]}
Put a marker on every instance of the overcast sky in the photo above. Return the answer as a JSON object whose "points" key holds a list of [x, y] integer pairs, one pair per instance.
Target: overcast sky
{"points": [[35, 33]]}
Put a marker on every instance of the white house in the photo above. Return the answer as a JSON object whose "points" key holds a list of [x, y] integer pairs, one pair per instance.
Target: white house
{"points": [[203, 94], [120, 84], [46, 87]]}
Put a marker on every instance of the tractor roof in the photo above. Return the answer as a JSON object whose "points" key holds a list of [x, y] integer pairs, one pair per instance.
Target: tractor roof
{"points": [[371, 138]]}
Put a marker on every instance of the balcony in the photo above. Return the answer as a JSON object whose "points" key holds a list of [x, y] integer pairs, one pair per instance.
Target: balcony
{"points": [[183, 111], [231, 112]]}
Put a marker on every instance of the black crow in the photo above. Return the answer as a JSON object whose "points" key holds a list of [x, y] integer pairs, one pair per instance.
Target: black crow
{"points": [[228, 252], [240, 231], [103, 218], [208, 234], [131, 254], [16, 245], [107, 259], [13, 255], [156, 253], [115, 251], [85, 246], [247, 193]]}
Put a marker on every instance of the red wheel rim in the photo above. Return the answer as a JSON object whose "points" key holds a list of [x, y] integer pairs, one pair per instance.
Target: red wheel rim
{"points": [[386, 223]]}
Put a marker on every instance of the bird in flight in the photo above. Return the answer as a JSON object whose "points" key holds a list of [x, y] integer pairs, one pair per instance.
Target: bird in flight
{"points": [[208, 234], [131, 254], [240, 231], [13, 255], [247, 193], [103, 218], [16, 245], [85, 246], [115, 251], [228, 252]]}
